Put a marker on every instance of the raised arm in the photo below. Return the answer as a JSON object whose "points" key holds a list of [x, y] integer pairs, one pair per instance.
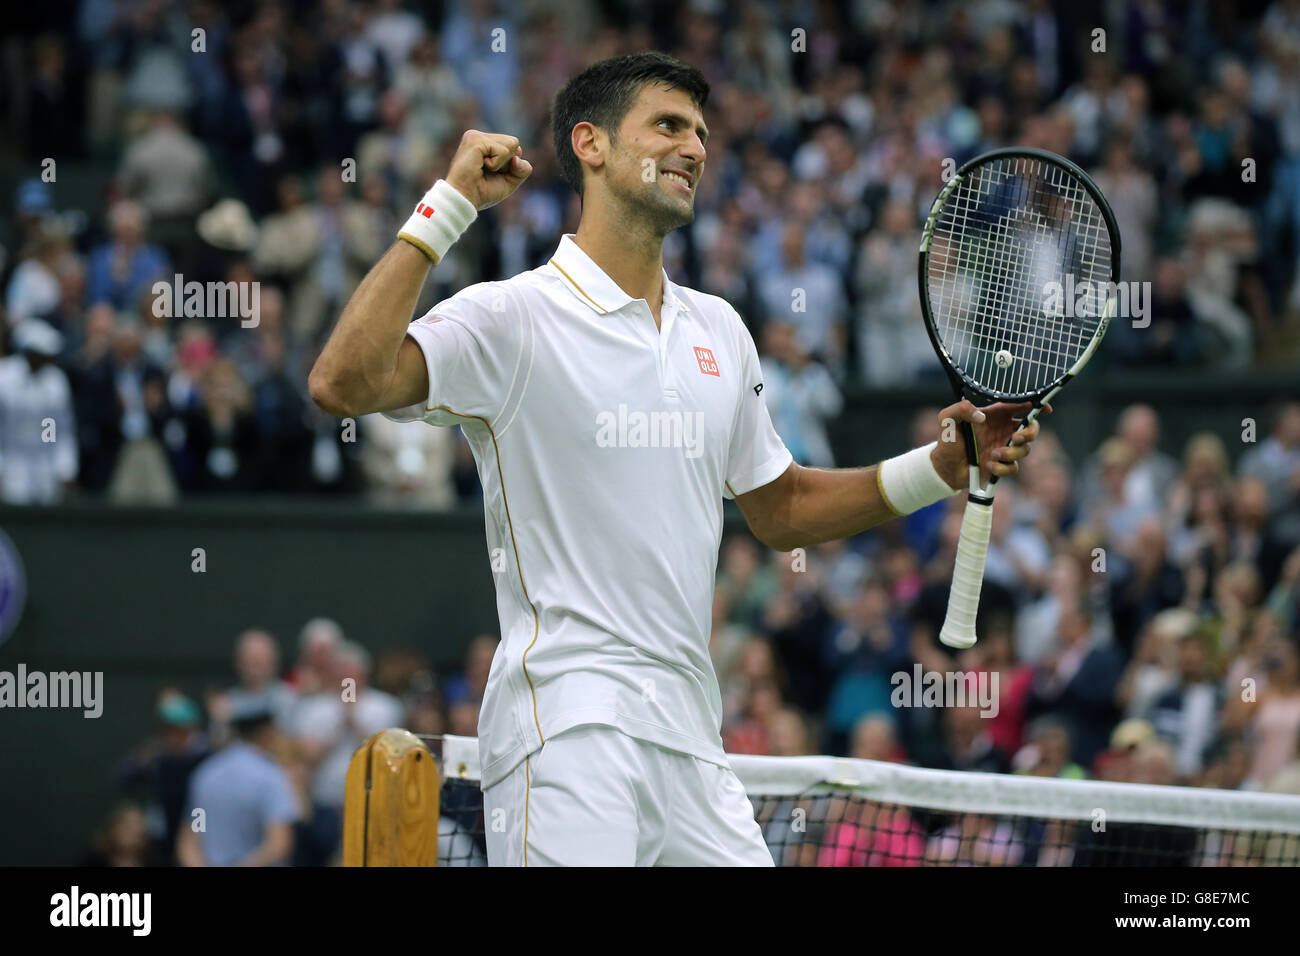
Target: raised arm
{"points": [[369, 364]]}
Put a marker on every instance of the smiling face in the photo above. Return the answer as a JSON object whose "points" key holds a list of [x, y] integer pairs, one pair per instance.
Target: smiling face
{"points": [[653, 166]]}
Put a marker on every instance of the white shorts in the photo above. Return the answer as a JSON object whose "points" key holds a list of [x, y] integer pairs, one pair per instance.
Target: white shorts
{"points": [[593, 796]]}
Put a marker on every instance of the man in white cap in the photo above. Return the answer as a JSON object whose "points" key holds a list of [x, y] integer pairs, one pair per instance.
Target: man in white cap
{"points": [[38, 431]]}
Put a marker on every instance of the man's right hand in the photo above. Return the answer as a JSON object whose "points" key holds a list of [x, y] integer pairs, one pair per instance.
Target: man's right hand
{"points": [[488, 167]]}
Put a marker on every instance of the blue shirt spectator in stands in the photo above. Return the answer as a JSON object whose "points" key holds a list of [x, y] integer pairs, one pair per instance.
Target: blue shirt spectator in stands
{"points": [[247, 800], [800, 395], [811, 296], [126, 266]]}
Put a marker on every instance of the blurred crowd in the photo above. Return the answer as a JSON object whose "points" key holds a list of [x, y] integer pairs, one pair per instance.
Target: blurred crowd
{"points": [[1139, 610], [1139, 613], [254, 774], [1139, 622], [281, 143]]}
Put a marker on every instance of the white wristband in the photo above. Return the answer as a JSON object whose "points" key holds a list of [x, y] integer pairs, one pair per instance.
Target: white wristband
{"points": [[909, 481], [439, 220]]}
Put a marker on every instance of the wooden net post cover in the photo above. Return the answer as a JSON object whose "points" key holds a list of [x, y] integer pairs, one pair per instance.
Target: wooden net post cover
{"points": [[390, 804]]}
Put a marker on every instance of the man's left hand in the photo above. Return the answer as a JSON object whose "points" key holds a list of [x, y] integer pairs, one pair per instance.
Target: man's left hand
{"points": [[999, 436]]}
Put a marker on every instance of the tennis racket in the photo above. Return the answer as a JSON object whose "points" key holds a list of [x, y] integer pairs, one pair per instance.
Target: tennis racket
{"points": [[1017, 269]]}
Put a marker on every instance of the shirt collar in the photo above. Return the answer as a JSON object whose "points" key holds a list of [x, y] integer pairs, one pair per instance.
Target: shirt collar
{"points": [[591, 285]]}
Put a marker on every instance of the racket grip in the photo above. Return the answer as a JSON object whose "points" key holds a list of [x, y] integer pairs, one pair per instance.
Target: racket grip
{"points": [[968, 575]]}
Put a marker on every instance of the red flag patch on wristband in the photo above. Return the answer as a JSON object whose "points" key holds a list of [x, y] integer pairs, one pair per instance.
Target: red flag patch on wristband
{"points": [[423, 210]]}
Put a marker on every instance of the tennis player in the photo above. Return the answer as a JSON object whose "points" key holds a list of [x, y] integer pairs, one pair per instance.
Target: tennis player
{"points": [[609, 410]]}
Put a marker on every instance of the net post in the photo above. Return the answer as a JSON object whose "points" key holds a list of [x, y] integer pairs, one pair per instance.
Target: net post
{"points": [[391, 803]]}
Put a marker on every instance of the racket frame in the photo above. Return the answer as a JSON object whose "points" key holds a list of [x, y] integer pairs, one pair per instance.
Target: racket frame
{"points": [[972, 549]]}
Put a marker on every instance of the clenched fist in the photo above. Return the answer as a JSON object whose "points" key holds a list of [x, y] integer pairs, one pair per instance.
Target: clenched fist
{"points": [[487, 167]]}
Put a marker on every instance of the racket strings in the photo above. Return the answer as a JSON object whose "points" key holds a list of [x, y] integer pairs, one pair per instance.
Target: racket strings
{"points": [[1006, 242]]}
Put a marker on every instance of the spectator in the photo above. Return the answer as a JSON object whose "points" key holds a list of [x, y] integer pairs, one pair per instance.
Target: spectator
{"points": [[788, 734], [469, 687], [244, 798], [408, 465], [1187, 713], [318, 643], [34, 290], [749, 730], [162, 767], [38, 428], [726, 274], [125, 267], [811, 296], [1014, 680], [1277, 459], [1174, 337], [1276, 721], [845, 572], [1018, 555], [1116, 762], [397, 152], [122, 840], [428, 87], [865, 652], [1256, 540], [1133, 194], [1038, 622], [257, 664], [800, 395], [167, 171], [1077, 684], [333, 722], [1142, 582], [726, 640], [968, 744], [893, 348], [1114, 513], [874, 738], [1153, 669], [872, 834], [221, 437], [798, 622], [1205, 478], [1152, 471], [748, 582]]}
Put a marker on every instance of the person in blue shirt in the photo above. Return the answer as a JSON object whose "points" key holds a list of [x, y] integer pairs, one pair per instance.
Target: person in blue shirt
{"points": [[246, 798], [127, 266]]}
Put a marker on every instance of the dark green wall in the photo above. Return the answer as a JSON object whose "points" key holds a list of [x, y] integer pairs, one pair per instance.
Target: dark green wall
{"points": [[113, 590], [876, 425]]}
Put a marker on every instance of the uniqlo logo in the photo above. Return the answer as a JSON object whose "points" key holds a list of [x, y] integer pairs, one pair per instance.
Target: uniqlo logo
{"points": [[708, 365], [423, 210]]}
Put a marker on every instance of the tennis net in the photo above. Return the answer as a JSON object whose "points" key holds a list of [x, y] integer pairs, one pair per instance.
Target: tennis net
{"points": [[831, 811]]}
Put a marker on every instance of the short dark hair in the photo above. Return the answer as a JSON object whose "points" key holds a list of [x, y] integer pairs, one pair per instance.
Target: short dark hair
{"points": [[248, 729], [603, 93]]}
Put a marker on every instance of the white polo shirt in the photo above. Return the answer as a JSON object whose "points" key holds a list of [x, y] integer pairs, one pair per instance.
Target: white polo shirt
{"points": [[604, 447]]}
